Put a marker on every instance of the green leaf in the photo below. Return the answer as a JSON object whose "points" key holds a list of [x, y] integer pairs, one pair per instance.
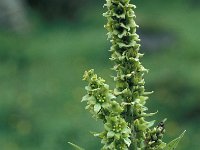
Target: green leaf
{"points": [[85, 98], [127, 141], [76, 147], [110, 134], [111, 96], [162, 145], [150, 124], [173, 144], [97, 108], [117, 136]]}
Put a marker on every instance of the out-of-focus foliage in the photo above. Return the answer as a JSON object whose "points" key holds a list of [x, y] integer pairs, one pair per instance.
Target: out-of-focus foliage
{"points": [[40, 75], [13, 15], [67, 9]]}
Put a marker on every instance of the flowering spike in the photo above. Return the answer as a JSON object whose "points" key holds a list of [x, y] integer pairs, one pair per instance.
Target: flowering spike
{"points": [[123, 109]]}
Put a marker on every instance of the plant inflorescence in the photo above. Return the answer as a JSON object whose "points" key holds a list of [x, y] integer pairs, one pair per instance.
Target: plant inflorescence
{"points": [[123, 109]]}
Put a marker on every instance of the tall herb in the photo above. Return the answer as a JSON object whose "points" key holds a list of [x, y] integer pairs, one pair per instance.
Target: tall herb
{"points": [[123, 109]]}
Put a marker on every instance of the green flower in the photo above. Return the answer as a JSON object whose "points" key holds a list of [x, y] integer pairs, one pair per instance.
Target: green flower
{"points": [[116, 133], [100, 100]]}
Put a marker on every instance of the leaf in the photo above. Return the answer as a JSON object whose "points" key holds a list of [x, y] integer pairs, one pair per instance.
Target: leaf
{"points": [[85, 98], [127, 141], [162, 145], [100, 135], [148, 93], [97, 108], [76, 147], [110, 134], [150, 124], [111, 96], [117, 136], [173, 144]]}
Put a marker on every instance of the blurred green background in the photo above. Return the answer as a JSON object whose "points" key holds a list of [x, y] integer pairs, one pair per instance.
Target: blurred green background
{"points": [[46, 45]]}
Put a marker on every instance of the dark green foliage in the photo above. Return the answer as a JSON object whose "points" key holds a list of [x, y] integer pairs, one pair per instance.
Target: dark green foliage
{"points": [[59, 9]]}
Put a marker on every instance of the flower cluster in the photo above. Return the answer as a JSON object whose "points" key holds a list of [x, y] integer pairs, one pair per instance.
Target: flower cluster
{"points": [[101, 103], [116, 134]]}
